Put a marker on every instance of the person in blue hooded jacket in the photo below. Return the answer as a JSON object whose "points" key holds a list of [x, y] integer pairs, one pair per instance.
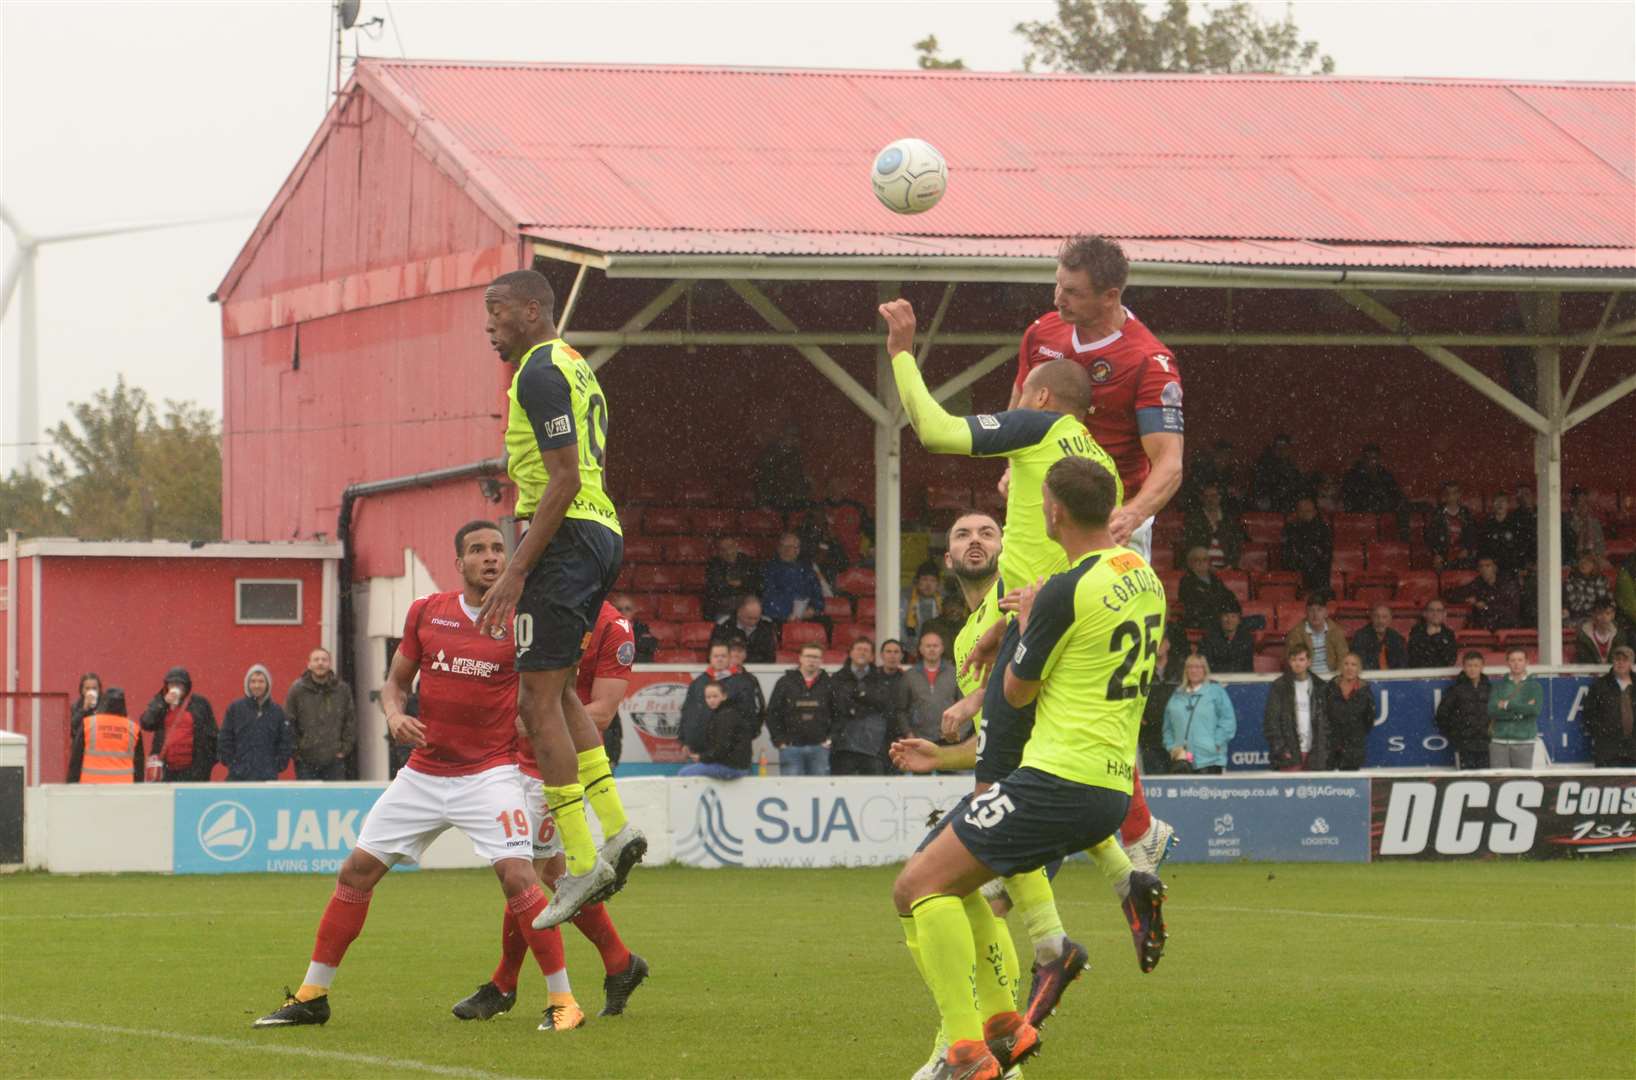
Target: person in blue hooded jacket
{"points": [[255, 741], [1199, 721]]}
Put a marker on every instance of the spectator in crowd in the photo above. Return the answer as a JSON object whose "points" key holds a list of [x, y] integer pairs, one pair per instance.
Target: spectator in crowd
{"points": [[255, 740], [743, 687], [1449, 532], [1598, 635], [1203, 595], [1369, 487], [1496, 602], [728, 575], [1324, 640], [1151, 739], [863, 705], [184, 727], [1502, 538], [1585, 530], [106, 748], [1215, 465], [1278, 481], [724, 753], [790, 588], [1381, 647], [646, 644], [1309, 545], [1431, 643], [1583, 588], [740, 686], [320, 709], [1229, 646], [1199, 721], [1513, 715], [759, 634], [1350, 706], [821, 548], [85, 702], [799, 717], [1295, 722], [1462, 713], [1609, 707], [1522, 502], [923, 603], [780, 474], [1211, 527], [1624, 593], [1326, 493], [932, 688]]}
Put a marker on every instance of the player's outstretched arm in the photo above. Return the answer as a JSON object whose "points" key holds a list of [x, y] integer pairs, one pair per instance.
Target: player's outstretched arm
{"points": [[939, 432]]}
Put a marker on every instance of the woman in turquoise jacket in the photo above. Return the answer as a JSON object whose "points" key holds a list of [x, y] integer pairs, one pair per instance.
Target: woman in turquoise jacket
{"points": [[1199, 721]]}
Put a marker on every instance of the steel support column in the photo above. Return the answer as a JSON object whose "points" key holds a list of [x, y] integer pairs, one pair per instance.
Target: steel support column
{"points": [[1544, 313], [639, 321], [888, 488]]}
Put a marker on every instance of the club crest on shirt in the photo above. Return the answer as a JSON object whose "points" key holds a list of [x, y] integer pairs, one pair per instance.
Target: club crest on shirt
{"points": [[627, 653], [498, 633], [1171, 395], [1101, 371]]}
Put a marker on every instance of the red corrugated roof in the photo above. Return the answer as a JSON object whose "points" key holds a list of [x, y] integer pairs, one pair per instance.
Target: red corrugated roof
{"points": [[1328, 170]]}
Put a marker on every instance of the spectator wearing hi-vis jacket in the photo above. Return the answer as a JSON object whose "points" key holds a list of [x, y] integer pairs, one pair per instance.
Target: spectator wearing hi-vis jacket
{"points": [[256, 741], [184, 727], [107, 748], [1199, 721]]}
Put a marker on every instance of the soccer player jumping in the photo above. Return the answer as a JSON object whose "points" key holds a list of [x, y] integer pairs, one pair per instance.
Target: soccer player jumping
{"points": [[556, 448], [1085, 659], [462, 773]]}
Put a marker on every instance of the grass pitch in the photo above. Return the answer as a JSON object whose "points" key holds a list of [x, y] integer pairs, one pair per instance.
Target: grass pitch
{"points": [[1468, 969]]}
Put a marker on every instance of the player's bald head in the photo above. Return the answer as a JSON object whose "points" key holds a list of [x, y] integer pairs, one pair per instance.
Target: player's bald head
{"points": [[1067, 382]]}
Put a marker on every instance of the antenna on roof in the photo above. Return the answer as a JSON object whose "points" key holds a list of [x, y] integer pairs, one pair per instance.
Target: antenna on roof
{"points": [[346, 18]]}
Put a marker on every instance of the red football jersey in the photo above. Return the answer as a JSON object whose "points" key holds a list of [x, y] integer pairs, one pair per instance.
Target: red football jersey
{"points": [[1136, 388], [468, 688], [609, 654]]}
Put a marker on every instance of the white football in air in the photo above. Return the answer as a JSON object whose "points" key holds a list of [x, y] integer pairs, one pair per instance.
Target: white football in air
{"points": [[909, 176]]}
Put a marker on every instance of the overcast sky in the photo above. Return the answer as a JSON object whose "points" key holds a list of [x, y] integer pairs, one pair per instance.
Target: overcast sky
{"points": [[127, 111]]}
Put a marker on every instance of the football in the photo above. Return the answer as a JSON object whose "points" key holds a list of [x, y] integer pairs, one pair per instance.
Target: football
{"points": [[910, 176]]}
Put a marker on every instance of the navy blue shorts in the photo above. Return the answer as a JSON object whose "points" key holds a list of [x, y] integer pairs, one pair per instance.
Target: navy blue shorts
{"points": [[1031, 818], [564, 593], [1006, 728]]}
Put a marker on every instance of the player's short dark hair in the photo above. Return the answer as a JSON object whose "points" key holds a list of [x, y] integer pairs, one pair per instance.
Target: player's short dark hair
{"points": [[1102, 259], [1087, 490], [1298, 648], [528, 285], [467, 529], [1471, 654], [1068, 383]]}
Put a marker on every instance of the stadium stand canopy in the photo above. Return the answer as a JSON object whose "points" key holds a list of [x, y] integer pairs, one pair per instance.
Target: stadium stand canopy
{"points": [[643, 182]]}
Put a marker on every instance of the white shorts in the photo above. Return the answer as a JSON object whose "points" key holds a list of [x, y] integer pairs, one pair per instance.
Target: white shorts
{"points": [[542, 826], [1141, 541], [415, 809]]}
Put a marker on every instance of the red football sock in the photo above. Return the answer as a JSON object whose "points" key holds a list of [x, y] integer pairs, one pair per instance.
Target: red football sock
{"points": [[595, 924], [343, 919], [1137, 818], [545, 944], [513, 947]]}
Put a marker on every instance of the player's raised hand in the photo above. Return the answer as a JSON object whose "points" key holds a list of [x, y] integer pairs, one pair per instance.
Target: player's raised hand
{"points": [[500, 602], [1024, 602], [914, 755], [958, 715], [900, 326], [406, 730]]}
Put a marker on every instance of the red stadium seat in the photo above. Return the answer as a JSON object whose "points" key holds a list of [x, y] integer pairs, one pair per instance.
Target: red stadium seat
{"points": [[1417, 587], [859, 581], [1272, 643], [714, 522], [844, 517], [865, 609], [834, 656], [1456, 615], [656, 577], [1474, 638], [1276, 585], [1265, 608], [1347, 561], [695, 493], [761, 522], [1237, 582], [1494, 658], [640, 549], [643, 492], [797, 634], [1355, 530], [678, 656], [1264, 527], [689, 549], [663, 521], [1172, 580], [1256, 558], [666, 634], [678, 607], [696, 635], [1521, 636], [1450, 580], [1163, 557], [1372, 587], [626, 580], [788, 656], [845, 633], [1387, 555], [1268, 664]]}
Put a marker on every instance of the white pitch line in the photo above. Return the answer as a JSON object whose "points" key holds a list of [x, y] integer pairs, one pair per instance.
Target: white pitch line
{"points": [[257, 1047], [121, 916], [1430, 919]]}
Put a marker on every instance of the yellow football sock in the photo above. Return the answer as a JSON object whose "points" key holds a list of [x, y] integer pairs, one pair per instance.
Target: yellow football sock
{"points": [[567, 805], [911, 939], [596, 776], [995, 978], [948, 954], [1110, 858], [1033, 899]]}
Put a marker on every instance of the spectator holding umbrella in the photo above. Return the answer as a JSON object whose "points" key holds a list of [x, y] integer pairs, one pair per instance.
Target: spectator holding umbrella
{"points": [[1462, 713], [255, 742]]}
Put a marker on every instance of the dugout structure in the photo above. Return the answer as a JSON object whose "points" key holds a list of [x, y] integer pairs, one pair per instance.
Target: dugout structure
{"points": [[1443, 267]]}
